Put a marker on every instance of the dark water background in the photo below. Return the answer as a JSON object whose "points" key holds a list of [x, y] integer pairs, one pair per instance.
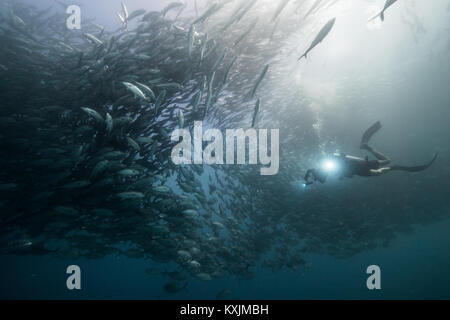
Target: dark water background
{"points": [[404, 83], [413, 267]]}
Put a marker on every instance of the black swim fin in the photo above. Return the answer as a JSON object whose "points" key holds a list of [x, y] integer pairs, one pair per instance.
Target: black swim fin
{"points": [[414, 169], [369, 133]]}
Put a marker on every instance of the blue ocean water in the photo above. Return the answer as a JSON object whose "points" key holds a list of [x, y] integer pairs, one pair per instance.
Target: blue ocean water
{"points": [[410, 95], [414, 267]]}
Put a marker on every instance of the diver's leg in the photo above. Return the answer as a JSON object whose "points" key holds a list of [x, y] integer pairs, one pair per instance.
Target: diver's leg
{"points": [[369, 133], [414, 168], [383, 163], [383, 160]]}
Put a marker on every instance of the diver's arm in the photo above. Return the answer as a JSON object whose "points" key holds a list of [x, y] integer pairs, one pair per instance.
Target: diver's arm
{"points": [[380, 171], [314, 175], [310, 176]]}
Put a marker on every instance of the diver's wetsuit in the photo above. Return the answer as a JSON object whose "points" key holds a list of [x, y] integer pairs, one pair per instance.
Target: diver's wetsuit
{"points": [[356, 166], [350, 166]]}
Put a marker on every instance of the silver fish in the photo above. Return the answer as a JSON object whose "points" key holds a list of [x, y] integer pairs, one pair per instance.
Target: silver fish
{"points": [[320, 36], [387, 4], [93, 114]]}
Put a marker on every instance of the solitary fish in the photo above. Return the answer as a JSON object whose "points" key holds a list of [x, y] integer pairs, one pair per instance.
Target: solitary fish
{"points": [[16, 20], [227, 70], [93, 38], [219, 61], [314, 7], [245, 34], [76, 184], [128, 173], [239, 13], [125, 11], [255, 114], [131, 195], [161, 189], [159, 101], [171, 6], [133, 144], [135, 14], [213, 9], [122, 19], [94, 114], [109, 123], [260, 78], [148, 92], [180, 119], [196, 102], [203, 276], [135, 90], [191, 36], [386, 6], [174, 287], [280, 8], [320, 36]]}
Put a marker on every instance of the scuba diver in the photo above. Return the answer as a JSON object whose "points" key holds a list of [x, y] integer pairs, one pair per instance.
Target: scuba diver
{"points": [[349, 166]]}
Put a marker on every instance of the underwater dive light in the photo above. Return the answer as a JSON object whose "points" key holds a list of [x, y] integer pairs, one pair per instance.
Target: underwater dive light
{"points": [[329, 166]]}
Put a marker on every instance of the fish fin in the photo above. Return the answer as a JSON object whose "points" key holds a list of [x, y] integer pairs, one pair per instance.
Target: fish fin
{"points": [[305, 55], [378, 15]]}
